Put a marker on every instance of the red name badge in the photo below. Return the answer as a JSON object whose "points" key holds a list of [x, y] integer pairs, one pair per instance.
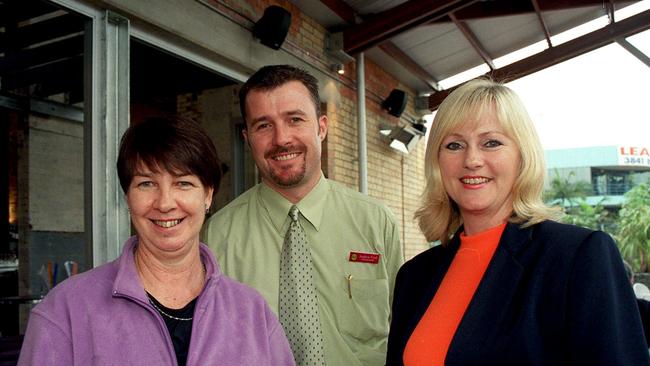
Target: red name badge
{"points": [[364, 257]]}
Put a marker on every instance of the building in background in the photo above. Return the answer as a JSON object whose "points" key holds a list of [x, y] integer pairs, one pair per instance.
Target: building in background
{"points": [[610, 171]]}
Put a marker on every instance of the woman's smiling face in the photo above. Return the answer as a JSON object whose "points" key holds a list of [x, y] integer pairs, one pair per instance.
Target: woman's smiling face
{"points": [[479, 164], [167, 210]]}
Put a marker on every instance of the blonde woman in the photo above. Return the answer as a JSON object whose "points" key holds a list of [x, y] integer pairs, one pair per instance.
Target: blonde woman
{"points": [[508, 285]]}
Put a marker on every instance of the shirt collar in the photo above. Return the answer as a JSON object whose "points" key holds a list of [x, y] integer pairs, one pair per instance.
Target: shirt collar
{"points": [[127, 282], [311, 206]]}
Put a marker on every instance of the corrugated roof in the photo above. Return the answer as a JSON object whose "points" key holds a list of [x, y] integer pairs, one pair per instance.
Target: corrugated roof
{"points": [[424, 42]]}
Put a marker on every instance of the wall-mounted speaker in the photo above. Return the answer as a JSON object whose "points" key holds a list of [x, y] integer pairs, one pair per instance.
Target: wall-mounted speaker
{"points": [[395, 103], [272, 28]]}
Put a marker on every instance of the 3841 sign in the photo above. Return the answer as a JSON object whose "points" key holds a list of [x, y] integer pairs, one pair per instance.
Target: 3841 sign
{"points": [[633, 155]]}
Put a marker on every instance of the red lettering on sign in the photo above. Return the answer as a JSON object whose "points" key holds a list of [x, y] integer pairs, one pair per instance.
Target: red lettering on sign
{"points": [[635, 151]]}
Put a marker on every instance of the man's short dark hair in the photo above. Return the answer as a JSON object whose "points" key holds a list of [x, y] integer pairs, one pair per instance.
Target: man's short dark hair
{"points": [[274, 76], [175, 144]]}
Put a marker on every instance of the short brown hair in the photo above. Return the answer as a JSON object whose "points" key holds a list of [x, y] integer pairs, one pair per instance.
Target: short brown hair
{"points": [[172, 143], [273, 76]]}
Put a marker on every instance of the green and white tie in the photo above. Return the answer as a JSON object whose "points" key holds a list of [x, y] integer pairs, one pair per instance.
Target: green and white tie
{"points": [[298, 300]]}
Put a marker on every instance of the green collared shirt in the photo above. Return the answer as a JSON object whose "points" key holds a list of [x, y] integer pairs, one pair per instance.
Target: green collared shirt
{"points": [[247, 237]]}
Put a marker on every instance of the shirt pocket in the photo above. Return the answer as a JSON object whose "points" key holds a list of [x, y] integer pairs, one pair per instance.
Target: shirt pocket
{"points": [[364, 309]]}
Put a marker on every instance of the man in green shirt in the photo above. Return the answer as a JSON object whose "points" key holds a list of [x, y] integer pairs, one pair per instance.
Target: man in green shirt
{"points": [[353, 239]]}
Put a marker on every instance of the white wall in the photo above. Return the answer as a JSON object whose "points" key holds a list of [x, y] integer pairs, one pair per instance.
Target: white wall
{"points": [[56, 175]]}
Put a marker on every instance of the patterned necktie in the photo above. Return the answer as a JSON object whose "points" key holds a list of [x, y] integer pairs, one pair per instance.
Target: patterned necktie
{"points": [[298, 300]]}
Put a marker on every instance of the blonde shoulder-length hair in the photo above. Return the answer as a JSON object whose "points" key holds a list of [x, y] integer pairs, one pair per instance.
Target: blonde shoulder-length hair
{"points": [[439, 216]]}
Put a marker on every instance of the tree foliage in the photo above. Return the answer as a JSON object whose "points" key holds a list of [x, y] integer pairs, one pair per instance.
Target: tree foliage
{"points": [[634, 227], [565, 192], [592, 217], [631, 227], [571, 196]]}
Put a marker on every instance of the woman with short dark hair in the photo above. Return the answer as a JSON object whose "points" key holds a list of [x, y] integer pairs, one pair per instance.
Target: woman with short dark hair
{"points": [[164, 301]]}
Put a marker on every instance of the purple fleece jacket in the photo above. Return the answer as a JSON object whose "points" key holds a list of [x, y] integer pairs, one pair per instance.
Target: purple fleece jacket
{"points": [[103, 317]]}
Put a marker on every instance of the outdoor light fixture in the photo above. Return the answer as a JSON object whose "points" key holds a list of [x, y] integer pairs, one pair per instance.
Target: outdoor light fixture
{"points": [[334, 46], [404, 138], [339, 68], [272, 28], [386, 129]]}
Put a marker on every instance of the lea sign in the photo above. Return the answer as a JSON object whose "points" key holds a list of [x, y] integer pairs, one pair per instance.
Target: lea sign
{"points": [[634, 155]]}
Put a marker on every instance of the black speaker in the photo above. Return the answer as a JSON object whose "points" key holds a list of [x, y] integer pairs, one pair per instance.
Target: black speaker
{"points": [[273, 26], [395, 103]]}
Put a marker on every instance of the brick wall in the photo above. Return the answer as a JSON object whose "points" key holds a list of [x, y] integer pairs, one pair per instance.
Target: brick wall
{"points": [[395, 178]]}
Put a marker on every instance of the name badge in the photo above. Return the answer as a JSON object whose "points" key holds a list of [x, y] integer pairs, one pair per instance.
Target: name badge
{"points": [[360, 257]]}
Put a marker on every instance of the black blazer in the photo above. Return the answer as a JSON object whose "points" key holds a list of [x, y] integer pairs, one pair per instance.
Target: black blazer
{"points": [[644, 310], [552, 295]]}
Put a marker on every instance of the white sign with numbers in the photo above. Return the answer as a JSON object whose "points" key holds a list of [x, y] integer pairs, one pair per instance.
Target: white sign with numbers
{"points": [[634, 155]]}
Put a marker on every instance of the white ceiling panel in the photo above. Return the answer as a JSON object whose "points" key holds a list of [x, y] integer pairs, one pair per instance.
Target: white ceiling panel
{"points": [[503, 35]]}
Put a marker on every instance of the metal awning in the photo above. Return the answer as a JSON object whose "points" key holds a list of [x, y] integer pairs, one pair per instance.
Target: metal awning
{"points": [[423, 42]]}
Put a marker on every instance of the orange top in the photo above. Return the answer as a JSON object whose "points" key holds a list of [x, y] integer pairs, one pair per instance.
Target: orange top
{"points": [[432, 336]]}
